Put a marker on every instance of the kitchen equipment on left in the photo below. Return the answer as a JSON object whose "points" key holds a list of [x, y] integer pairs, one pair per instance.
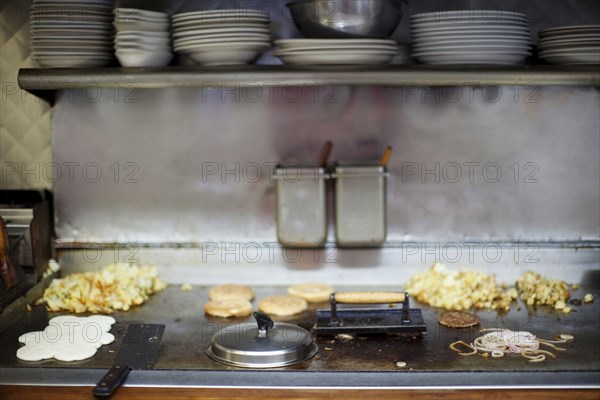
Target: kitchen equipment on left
{"points": [[29, 231]]}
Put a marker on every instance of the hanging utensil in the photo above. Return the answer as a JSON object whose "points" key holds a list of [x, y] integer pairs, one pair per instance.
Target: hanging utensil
{"points": [[325, 154], [386, 156]]}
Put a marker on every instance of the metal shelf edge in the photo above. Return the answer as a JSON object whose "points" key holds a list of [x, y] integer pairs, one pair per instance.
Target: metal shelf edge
{"points": [[43, 80]]}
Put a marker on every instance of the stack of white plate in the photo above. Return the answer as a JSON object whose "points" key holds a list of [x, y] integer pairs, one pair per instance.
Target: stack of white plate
{"points": [[71, 33], [221, 37], [570, 45], [336, 51], [471, 37], [143, 38]]}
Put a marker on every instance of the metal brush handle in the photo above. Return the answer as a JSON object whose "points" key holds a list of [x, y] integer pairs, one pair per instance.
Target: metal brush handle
{"points": [[369, 297]]}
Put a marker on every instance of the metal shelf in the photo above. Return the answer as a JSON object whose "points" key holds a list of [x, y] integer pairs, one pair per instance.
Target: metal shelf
{"points": [[43, 82]]}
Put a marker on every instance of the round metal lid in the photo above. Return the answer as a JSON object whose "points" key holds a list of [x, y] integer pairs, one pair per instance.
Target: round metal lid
{"points": [[262, 345]]}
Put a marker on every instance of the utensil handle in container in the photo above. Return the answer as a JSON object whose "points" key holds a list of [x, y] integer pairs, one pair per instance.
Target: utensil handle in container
{"points": [[369, 297], [111, 380]]}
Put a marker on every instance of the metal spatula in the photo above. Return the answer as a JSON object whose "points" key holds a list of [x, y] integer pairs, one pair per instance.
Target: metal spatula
{"points": [[138, 351]]}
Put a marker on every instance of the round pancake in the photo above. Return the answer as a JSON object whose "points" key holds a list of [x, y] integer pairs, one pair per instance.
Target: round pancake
{"points": [[312, 292], [228, 308], [282, 305], [230, 292]]}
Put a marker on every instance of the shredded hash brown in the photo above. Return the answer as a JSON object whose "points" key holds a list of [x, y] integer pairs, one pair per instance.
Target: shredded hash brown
{"points": [[459, 290], [114, 287]]}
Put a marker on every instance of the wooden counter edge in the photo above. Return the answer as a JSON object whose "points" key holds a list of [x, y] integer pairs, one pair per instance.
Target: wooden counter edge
{"points": [[138, 393]]}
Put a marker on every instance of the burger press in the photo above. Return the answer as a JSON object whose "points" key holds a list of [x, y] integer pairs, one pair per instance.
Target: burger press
{"points": [[370, 320]]}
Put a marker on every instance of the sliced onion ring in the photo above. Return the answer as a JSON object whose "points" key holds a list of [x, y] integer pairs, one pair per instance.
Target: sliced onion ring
{"points": [[453, 347]]}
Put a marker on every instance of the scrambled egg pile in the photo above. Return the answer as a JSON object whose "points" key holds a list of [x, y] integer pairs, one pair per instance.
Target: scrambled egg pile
{"points": [[114, 287], [459, 290], [535, 289]]}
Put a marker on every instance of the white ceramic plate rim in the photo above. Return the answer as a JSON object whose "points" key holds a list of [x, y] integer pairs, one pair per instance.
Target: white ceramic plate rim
{"points": [[249, 12], [249, 41], [208, 17], [69, 23], [99, 28], [358, 49], [235, 25], [566, 46], [73, 50], [455, 13], [143, 34], [246, 45], [349, 42], [469, 53], [482, 38], [71, 55], [64, 16], [571, 40], [324, 59], [478, 33], [470, 47], [216, 24], [570, 27], [257, 36], [486, 28], [571, 51], [139, 20], [62, 6], [143, 51], [571, 37], [138, 11], [69, 39], [518, 42], [102, 60], [200, 32], [426, 25], [329, 52]]}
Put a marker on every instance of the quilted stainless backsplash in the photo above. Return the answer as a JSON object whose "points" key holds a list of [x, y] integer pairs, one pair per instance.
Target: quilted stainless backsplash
{"points": [[25, 121]]}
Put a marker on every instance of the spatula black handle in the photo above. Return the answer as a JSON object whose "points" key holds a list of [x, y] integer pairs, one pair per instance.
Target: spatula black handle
{"points": [[111, 380]]}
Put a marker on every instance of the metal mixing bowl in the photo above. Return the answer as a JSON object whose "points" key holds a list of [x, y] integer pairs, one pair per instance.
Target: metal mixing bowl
{"points": [[347, 18]]}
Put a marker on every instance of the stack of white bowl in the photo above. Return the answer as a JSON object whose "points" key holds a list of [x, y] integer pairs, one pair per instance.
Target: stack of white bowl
{"points": [[221, 37], [143, 38], [471, 37], [336, 51], [571, 45], [71, 33]]}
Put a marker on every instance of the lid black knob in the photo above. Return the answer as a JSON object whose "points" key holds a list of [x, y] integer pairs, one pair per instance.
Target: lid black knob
{"points": [[264, 322]]}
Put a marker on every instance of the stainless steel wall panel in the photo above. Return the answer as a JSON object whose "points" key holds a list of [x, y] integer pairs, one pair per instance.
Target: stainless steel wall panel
{"points": [[195, 165]]}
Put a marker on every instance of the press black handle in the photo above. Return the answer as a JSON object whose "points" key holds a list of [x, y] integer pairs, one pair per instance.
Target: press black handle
{"points": [[263, 320], [111, 380]]}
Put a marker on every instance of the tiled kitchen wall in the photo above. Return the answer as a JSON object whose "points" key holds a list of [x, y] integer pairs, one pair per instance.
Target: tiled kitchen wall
{"points": [[25, 121]]}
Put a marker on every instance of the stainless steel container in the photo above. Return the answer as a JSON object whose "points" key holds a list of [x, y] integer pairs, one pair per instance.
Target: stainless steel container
{"points": [[375, 19], [301, 205], [360, 204]]}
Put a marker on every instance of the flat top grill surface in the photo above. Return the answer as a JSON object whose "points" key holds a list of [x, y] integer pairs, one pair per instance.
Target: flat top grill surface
{"points": [[188, 333]]}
